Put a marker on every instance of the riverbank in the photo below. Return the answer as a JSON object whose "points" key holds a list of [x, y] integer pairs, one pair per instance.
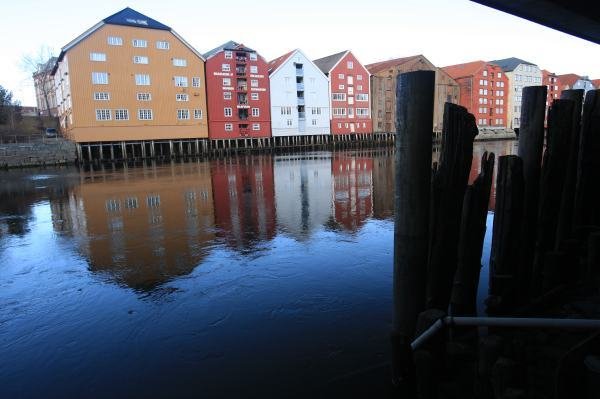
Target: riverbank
{"points": [[55, 151]]}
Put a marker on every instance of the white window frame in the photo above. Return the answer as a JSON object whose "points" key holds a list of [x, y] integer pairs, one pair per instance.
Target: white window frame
{"points": [[253, 57], [182, 97], [114, 41], [253, 69], [183, 114], [255, 112], [228, 112], [162, 45], [180, 81], [142, 79], [350, 65], [145, 114], [100, 78], [103, 114], [197, 113], [253, 82], [226, 82], [144, 96], [196, 82], [229, 127], [225, 67], [228, 55], [139, 43], [226, 95], [256, 126], [140, 59], [179, 62], [97, 57], [254, 96], [101, 96], [122, 114]]}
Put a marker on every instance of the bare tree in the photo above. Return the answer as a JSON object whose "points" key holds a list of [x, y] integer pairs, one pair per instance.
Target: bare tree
{"points": [[40, 66]]}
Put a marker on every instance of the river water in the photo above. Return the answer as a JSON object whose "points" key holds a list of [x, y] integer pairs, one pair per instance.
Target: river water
{"points": [[251, 276]]}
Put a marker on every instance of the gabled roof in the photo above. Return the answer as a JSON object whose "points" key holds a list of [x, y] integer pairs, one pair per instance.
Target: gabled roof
{"points": [[568, 79], [510, 64], [130, 17], [463, 70], [326, 64], [231, 46], [383, 65], [277, 62]]}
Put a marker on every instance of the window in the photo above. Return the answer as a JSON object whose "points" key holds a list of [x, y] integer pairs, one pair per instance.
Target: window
{"points": [[226, 82], [115, 41], [142, 80], [362, 112], [339, 125], [499, 75], [140, 59], [350, 91], [350, 65], [337, 112], [289, 122], [183, 114], [359, 87], [139, 43], [226, 95], [97, 57], [362, 97], [143, 96], [253, 69], [341, 87], [358, 77], [228, 55], [286, 110], [255, 112], [316, 111], [225, 67], [179, 62], [101, 96], [180, 81], [227, 111], [197, 114], [341, 76], [338, 96], [229, 127], [196, 81], [256, 126], [145, 114], [484, 73], [121, 114], [103, 115], [253, 83], [253, 57], [314, 122], [181, 97], [100, 78], [254, 96], [162, 45]]}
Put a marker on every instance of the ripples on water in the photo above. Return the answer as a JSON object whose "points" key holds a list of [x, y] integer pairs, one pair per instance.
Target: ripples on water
{"points": [[253, 275]]}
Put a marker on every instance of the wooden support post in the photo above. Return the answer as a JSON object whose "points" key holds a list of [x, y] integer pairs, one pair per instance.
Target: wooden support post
{"points": [[143, 150], [112, 152], [413, 180], [123, 150], [197, 147], [448, 191], [470, 244], [171, 155], [565, 215], [587, 194], [181, 148], [556, 157], [531, 142], [152, 150], [504, 253]]}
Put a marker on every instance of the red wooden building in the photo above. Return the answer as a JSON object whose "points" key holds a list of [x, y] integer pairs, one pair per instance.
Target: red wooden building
{"points": [[483, 91], [237, 88], [349, 91], [352, 190]]}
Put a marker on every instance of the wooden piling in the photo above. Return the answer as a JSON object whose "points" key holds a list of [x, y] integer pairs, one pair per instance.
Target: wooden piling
{"points": [[470, 245], [531, 142], [447, 193], [556, 157], [413, 174]]}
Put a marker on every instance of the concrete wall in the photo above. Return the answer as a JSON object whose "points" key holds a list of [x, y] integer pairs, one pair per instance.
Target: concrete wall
{"points": [[48, 152]]}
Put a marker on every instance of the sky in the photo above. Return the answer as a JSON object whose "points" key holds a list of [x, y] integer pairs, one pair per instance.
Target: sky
{"points": [[446, 32]]}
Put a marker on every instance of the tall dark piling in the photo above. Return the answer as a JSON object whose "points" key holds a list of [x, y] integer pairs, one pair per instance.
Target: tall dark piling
{"points": [[415, 93], [447, 193], [565, 215], [556, 157], [506, 241], [587, 194], [531, 142], [470, 244]]}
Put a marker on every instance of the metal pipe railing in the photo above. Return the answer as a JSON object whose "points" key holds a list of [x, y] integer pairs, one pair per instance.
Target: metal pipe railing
{"points": [[510, 322]]}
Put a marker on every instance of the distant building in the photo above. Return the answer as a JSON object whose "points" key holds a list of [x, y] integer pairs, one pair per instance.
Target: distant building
{"points": [[520, 74], [596, 83], [130, 77], [573, 81], [45, 95], [551, 81], [237, 83], [349, 88], [383, 90], [483, 91], [299, 96]]}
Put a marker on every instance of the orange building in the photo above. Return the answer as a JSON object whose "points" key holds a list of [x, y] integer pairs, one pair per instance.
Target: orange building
{"points": [[483, 91], [130, 77]]}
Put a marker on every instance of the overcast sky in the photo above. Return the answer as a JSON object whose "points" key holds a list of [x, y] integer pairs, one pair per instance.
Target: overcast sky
{"points": [[446, 32]]}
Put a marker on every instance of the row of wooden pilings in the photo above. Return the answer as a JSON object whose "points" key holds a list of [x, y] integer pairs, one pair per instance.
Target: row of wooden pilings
{"points": [[546, 229], [179, 148]]}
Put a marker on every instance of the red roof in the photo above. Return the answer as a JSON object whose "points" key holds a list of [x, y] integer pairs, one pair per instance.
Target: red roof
{"points": [[383, 65], [462, 70], [274, 64], [596, 83], [568, 79]]}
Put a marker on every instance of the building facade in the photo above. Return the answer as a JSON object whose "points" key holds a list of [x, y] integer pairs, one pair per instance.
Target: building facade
{"points": [[45, 95], [237, 83], [573, 81], [483, 91], [299, 96], [349, 89], [520, 74], [383, 90], [130, 77]]}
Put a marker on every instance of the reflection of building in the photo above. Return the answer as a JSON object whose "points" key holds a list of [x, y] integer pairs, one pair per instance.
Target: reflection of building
{"points": [[352, 190], [383, 90], [244, 199], [383, 185], [302, 192], [149, 227]]}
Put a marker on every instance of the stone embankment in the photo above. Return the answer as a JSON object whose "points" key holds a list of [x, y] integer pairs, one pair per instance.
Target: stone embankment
{"points": [[55, 151]]}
